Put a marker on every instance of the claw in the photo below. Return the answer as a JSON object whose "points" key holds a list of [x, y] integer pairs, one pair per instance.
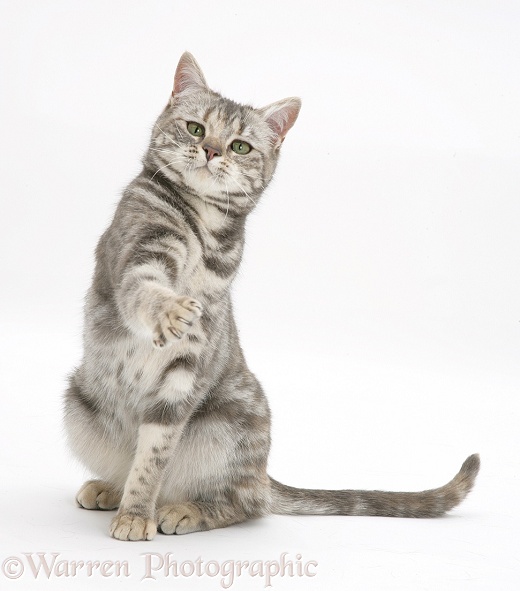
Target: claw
{"points": [[183, 320], [175, 332]]}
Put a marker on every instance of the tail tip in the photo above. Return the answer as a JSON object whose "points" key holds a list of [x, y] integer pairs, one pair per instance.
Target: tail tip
{"points": [[471, 465], [465, 479]]}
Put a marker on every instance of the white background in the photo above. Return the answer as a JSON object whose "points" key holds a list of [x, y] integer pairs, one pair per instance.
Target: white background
{"points": [[379, 298]]}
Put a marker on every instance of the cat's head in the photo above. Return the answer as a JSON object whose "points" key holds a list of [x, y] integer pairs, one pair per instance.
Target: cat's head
{"points": [[222, 151]]}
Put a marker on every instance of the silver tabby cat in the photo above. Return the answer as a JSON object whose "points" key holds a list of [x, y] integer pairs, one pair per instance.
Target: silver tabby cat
{"points": [[163, 408]]}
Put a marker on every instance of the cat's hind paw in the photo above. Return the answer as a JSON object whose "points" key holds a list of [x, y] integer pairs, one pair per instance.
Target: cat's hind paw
{"points": [[126, 526], [97, 494], [181, 518]]}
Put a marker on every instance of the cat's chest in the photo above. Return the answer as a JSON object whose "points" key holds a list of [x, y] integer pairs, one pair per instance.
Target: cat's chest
{"points": [[212, 267], [133, 370]]}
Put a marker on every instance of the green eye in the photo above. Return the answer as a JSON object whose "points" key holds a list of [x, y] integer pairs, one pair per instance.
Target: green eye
{"points": [[195, 129], [240, 147]]}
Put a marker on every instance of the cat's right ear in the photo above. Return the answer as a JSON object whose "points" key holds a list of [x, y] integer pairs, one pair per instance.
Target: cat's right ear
{"points": [[188, 75]]}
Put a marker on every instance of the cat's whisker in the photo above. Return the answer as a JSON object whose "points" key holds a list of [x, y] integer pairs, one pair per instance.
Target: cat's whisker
{"points": [[227, 195], [190, 164], [177, 160], [165, 166], [242, 189], [163, 150], [218, 176], [253, 176], [261, 187], [167, 136]]}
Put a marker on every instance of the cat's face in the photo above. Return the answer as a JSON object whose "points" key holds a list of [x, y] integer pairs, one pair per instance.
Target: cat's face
{"points": [[223, 152]]}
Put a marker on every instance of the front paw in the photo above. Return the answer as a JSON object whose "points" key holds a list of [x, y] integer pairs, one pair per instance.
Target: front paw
{"points": [[176, 318], [126, 526]]}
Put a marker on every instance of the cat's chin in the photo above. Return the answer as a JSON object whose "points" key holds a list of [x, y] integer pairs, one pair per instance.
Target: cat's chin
{"points": [[202, 180], [204, 170]]}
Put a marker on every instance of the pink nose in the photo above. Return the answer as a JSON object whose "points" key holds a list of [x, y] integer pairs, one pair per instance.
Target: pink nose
{"points": [[211, 152]]}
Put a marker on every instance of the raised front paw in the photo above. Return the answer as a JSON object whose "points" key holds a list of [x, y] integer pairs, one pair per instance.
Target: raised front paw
{"points": [[97, 494], [175, 320], [126, 526]]}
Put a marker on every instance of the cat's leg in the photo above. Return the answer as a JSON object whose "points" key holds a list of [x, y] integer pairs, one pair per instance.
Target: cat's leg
{"points": [[98, 494], [157, 440], [135, 519]]}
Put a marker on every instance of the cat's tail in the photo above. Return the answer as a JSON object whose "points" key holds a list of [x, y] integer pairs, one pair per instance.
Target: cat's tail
{"points": [[287, 500]]}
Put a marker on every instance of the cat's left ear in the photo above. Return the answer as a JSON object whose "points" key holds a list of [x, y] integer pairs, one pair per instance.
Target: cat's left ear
{"points": [[188, 75], [280, 116]]}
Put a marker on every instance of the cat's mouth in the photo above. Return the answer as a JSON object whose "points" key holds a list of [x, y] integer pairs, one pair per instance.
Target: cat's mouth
{"points": [[204, 178], [205, 170]]}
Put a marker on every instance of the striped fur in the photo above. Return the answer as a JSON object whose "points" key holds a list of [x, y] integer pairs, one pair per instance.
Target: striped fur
{"points": [[163, 408]]}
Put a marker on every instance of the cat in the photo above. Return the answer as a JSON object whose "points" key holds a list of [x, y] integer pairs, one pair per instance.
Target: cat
{"points": [[163, 408]]}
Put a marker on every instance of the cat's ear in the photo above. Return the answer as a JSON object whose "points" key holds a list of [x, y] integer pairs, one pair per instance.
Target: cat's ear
{"points": [[188, 75], [280, 116]]}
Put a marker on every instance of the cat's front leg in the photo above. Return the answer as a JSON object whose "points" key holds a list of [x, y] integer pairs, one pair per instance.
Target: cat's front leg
{"points": [[151, 306], [135, 519]]}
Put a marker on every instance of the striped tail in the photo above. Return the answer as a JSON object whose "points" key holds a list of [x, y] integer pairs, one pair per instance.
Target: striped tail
{"points": [[287, 500]]}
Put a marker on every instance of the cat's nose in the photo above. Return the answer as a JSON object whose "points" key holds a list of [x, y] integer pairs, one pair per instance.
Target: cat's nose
{"points": [[211, 152]]}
